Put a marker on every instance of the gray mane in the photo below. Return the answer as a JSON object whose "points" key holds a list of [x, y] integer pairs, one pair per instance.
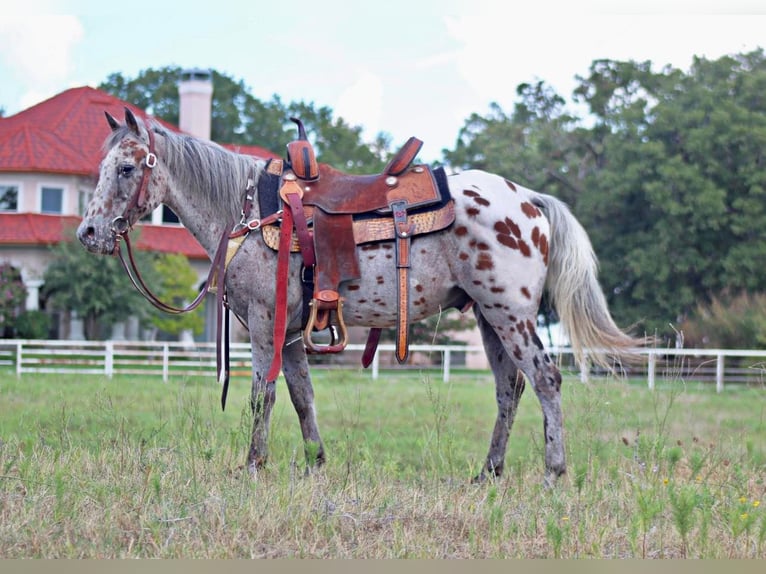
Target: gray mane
{"points": [[214, 174]]}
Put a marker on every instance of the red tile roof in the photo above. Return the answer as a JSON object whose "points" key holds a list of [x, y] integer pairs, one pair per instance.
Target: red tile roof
{"points": [[65, 134], [22, 229]]}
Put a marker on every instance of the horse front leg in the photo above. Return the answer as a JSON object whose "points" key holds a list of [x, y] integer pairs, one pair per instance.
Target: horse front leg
{"points": [[296, 370], [262, 398]]}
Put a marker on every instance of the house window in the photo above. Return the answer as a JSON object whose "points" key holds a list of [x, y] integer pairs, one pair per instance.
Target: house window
{"points": [[9, 197], [51, 200], [168, 216]]}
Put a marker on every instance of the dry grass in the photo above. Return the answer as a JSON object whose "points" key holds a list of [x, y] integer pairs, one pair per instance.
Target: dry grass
{"points": [[639, 484]]}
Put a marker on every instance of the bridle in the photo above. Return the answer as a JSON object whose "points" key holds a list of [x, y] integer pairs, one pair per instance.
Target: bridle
{"points": [[122, 224]]}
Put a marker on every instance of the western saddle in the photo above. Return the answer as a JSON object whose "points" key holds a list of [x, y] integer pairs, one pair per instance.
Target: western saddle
{"points": [[325, 214]]}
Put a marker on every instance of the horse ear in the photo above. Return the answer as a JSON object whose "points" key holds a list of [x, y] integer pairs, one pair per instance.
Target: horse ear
{"points": [[130, 119], [114, 124]]}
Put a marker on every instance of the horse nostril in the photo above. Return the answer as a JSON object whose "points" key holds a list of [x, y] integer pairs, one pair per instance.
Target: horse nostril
{"points": [[90, 232]]}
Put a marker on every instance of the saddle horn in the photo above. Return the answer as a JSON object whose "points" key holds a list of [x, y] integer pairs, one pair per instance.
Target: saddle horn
{"points": [[301, 130], [300, 155]]}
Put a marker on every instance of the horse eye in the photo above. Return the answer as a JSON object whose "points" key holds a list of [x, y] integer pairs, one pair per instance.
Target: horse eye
{"points": [[126, 169]]}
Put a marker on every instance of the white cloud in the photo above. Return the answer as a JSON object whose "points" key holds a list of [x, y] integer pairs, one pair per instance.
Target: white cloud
{"points": [[362, 103], [500, 48], [38, 49]]}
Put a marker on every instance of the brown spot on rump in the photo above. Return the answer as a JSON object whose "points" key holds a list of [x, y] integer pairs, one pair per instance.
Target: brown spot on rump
{"points": [[461, 230], [497, 289], [515, 229], [463, 255], [517, 353], [482, 246], [370, 246], [380, 280], [544, 247], [508, 241], [502, 228], [481, 201], [526, 293], [524, 248], [484, 262], [353, 287], [530, 210], [510, 184], [470, 193], [419, 288], [472, 211], [536, 236]]}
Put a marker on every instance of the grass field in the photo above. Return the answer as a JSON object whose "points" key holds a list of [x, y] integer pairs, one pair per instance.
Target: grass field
{"points": [[132, 467]]}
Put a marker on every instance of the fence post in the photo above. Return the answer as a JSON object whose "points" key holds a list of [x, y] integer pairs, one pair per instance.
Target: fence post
{"points": [[650, 370], [375, 365], [19, 348], [446, 366], [109, 358], [584, 368], [719, 373], [165, 362]]}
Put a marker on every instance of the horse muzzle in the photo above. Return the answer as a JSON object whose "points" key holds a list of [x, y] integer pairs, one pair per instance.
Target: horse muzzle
{"points": [[97, 236]]}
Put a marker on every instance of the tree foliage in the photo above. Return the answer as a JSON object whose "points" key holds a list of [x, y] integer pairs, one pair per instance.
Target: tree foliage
{"points": [[666, 173], [12, 297], [175, 286], [94, 286]]}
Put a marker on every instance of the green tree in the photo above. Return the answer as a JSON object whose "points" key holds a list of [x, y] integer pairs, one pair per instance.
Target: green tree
{"points": [[666, 174], [676, 205], [339, 144], [240, 118], [12, 296], [537, 145], [175, 286], [94, 286]]}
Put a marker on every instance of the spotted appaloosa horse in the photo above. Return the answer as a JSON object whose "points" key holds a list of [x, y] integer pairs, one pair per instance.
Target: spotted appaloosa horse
{"points": [[506, 245]]}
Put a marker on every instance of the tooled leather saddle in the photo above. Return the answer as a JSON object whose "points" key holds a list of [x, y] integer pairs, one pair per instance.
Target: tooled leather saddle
{"points": [[325, 214]]}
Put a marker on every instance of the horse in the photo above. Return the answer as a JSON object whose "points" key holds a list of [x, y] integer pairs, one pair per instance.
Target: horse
{"points": [[506, 247]]}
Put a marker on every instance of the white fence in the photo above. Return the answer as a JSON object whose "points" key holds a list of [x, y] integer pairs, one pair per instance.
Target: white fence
{"points": [[167, 359]]}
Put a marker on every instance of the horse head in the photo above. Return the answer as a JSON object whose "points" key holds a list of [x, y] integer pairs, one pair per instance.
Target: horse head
{"points": [[129, 185]]}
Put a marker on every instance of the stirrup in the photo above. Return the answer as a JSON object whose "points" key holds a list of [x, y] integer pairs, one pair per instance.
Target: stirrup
{"points": [[338, 332]]}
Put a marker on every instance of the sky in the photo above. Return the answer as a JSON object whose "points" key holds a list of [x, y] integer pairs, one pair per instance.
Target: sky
{"points": [[404, 67]]}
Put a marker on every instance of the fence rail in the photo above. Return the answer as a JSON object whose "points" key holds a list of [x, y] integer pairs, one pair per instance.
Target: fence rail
{"points": [[168, 359]]}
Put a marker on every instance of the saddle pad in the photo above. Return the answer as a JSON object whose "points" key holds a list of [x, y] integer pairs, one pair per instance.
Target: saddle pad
{"points": [[373, 229]]}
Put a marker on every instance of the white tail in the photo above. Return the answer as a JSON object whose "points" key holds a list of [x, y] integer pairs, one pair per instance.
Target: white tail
{"points": [[576, 294]]}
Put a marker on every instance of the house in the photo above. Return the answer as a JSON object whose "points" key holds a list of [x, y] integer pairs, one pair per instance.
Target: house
{"points": [[49, 158]]}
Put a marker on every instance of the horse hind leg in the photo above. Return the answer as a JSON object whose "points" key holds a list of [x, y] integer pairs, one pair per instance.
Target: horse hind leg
{"points": [[509, 386], [520, 340]]}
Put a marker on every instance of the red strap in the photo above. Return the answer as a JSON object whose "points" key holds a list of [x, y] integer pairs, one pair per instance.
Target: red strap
{"points": [[372, 345], [305, 241], [280, 313]]}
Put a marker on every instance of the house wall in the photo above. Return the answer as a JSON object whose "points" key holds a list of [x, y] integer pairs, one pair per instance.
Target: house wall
{"points": [[31, 185]]}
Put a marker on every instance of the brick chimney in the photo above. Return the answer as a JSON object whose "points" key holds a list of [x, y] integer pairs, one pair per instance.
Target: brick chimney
{"points": [[195, 94]]}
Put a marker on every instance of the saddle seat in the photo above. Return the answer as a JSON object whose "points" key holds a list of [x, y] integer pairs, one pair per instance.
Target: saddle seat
{"points": [[331, 212]]}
